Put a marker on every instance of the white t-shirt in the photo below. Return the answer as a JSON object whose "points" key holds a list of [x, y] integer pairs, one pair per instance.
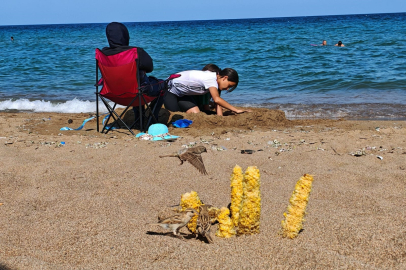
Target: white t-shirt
{"points": [[193, 82]]}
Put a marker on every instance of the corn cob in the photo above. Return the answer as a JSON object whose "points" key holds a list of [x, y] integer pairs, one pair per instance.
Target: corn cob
{"points": [[294, 216], [213, 213], [250, 213], [226, 226], [191, 200], [236, 193]]}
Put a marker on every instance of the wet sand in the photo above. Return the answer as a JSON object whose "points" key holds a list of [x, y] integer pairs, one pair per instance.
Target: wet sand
{"points": [[84, 204]]}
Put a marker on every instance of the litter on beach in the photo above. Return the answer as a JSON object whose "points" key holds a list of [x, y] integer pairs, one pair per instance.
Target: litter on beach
{"points": [[182, 123], [157, 132]]}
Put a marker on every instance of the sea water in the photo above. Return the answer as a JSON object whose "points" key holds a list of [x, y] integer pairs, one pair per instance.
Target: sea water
{"points": [[52, 67]]}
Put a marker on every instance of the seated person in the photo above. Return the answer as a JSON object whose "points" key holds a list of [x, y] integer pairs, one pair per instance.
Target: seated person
{"points": [[119, 40]]}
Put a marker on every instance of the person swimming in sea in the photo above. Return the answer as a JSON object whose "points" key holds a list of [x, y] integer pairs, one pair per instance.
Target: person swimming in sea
{"points": [[339, 44], [324, 43]]}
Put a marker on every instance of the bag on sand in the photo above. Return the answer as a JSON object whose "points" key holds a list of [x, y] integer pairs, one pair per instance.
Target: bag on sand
{"points": [[152, 86]]}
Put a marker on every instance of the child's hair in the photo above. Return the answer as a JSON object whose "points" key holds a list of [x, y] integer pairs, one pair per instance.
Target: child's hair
{"points": [[212, 68], [232, 77]]}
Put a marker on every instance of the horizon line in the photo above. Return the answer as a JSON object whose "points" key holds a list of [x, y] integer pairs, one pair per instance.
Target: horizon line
{"points": [[349, 14]]}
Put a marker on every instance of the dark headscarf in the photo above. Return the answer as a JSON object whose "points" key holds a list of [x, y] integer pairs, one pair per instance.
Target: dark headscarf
{"points": [[117, 35], [119, 40]]}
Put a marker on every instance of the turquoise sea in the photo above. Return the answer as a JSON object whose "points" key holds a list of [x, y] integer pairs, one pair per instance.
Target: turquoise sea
{"points": [[52, 67]]}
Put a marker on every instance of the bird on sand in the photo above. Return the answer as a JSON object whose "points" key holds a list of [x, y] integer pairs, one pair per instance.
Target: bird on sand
{"points": [[203, 224], [192, 155], [177, 221]]}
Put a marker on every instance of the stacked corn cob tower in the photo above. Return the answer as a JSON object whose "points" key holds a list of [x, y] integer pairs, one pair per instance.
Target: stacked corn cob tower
{"points": [[294, 215], [226, 225], [237, 192], [250, 211], [191, 200], [245, 204]]}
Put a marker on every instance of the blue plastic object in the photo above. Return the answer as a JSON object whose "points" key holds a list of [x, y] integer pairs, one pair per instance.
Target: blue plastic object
{"points": [[159, 132], [157, 129], [79, 128], [182, 123]]}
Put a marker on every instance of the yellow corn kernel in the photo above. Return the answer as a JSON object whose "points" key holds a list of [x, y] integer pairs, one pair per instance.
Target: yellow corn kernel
{"points": [[236, 193], [226, 226], [294, 216], [191, 200], [250, 213]]}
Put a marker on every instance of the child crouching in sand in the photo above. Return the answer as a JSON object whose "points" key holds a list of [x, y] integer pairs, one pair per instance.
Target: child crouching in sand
{"points": [[203, 101], [191, 83]]}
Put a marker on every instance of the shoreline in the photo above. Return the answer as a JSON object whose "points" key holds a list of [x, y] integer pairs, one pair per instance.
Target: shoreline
{"points": [[84, 204], [355, 111], [261, 119]]}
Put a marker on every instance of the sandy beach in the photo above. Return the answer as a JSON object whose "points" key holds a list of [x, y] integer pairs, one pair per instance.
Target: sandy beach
{"points": [[84, 204]]}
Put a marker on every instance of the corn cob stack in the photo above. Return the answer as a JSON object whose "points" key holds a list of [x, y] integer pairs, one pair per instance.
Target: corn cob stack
{"points": [[226, 226], [191, 200], [250, 213], [294, 216], [236, 193]]}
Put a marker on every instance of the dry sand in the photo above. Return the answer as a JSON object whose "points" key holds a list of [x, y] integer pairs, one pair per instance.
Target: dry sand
{"points": [[85, 204]]}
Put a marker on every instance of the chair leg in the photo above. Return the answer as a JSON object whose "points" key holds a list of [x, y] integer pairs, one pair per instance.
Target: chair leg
{"points": [[140, 114], [152, 111], [97, 110], [111, 110], [97, 94], [117, 118]]}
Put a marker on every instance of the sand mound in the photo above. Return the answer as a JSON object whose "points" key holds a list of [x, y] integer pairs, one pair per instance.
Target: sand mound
{"points": [[258, 118], [204, 124]]}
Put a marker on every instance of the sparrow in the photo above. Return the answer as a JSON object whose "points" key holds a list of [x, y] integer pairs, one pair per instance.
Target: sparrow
{"points": [[176, 222], [192, 155], [204, 223]]}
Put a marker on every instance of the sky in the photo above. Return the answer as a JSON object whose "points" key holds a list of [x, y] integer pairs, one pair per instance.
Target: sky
{"points": [[27, 12]]}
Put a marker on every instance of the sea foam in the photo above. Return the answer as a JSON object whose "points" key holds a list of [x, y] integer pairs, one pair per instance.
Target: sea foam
{"points": [[70, 106]]}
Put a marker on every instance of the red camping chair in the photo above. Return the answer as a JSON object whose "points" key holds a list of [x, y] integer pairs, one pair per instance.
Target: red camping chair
{"points": [[120, 84]]}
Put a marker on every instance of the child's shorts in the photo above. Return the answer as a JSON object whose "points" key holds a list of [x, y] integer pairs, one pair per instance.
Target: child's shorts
{"points": [[174, 103]]}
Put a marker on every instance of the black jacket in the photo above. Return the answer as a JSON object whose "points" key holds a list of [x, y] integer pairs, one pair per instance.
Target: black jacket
{"points": [[119, 40]]}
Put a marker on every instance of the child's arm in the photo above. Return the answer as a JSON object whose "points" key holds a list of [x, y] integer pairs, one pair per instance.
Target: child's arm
{"points": [[219, 101], [219, 110]]}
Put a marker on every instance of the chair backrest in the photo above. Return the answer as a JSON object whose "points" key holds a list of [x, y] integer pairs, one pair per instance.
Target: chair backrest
{"points": [[120, 76]]}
